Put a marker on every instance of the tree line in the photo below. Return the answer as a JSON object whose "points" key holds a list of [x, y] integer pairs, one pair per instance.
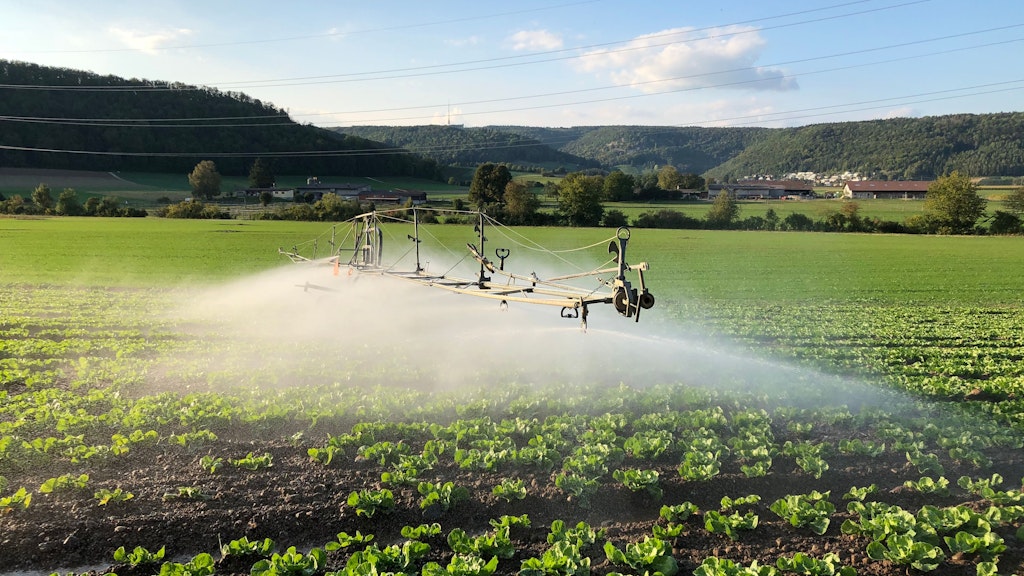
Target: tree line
{"points": [[952, 206], [42, 203]]}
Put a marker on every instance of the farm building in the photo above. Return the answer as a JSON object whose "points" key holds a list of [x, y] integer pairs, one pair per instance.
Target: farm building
{"points": [[884, 189], [314, 190], [394, 196], [764, 189], [278, 193]]}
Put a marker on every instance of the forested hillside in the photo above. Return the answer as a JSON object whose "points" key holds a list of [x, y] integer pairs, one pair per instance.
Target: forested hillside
{"points": [[62, 118], [987, 145], [455, 145], [897, 149], [154, 126], [690, 149]]}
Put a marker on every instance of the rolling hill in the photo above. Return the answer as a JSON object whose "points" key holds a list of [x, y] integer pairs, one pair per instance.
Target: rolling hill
{"points": [[68, 119]]}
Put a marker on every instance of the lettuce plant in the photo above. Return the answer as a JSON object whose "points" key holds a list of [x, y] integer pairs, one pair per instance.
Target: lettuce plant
{"points": [[245, 547], [200, 565], [290, 563], [561, 559], [724, 567], [138, 556], [441, 495], [648, 556], [928, 485], [718, 523], [811, 510], [104, 496], [344, 540], [678, 512], [369, 502], [581, 536], [904, 549], [251, 462], [640, 481], [987, 546], [64, 482], [580, 487], [462, 565], [860, 493], [510, 489], [420, 532], [20, 500], [827, 565]]}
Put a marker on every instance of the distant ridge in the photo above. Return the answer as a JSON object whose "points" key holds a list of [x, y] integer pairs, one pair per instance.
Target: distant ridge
{"points": [[155, 126], [109, 123]]}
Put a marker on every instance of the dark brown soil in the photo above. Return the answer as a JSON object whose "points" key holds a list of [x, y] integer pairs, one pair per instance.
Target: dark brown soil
{"points": [[302, 503]]}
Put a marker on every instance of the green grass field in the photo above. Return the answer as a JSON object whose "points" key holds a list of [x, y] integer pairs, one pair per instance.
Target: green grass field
{"points": [[782, 267]]}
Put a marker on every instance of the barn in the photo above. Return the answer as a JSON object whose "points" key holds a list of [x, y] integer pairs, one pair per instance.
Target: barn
{"points": [[886, 189]]}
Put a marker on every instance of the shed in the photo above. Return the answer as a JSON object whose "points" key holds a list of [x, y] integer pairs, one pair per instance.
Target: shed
{"points": [[886, 189]]}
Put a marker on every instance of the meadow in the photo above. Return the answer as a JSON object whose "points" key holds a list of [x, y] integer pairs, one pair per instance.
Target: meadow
{"points": [[173, 401], [145, 190]]}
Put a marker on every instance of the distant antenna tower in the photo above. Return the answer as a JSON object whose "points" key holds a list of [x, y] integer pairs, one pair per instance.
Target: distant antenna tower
{"points": [[449, 113]]}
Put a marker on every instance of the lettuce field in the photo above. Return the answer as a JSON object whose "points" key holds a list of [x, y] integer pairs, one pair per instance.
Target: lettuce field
{"points": [[176, 400]]}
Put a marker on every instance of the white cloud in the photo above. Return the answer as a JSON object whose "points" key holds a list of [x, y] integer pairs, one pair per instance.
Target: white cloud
{"points": [[535, 40], [148, 41], [462, 42], [676, 60]]}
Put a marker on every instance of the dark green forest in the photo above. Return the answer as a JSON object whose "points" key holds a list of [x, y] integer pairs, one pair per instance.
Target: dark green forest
{"points": [[145, 125], [458, 146], [111, 123], [895, 149]]}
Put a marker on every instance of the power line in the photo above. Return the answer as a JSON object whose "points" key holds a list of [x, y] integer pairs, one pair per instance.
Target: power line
{"points": [[575, 49], [874, 104], [178, 122], [488, 64]]}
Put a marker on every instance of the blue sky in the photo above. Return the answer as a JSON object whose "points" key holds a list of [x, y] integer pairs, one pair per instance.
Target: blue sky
{"points": [[553, 62]]}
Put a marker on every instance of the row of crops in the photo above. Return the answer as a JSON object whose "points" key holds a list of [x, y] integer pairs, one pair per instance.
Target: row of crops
{"points": [[110, 407]]}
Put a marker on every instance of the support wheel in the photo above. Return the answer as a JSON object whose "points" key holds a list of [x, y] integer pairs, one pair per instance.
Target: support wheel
{"points": [[621, 301], [646, 300]]}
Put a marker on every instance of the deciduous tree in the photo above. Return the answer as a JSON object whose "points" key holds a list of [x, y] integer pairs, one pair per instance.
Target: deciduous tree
{"points": [[334, 208], [953, 200], [669, 178], [521, 204], [724, 211], [1015, 201], [579, 199], [488, 185], [618, 186], [205, 180], [691, 181], [67, 203], [43, 199]]}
